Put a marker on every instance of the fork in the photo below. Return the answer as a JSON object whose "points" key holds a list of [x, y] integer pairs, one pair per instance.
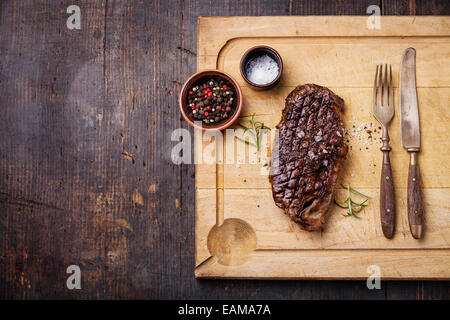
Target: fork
{"points": [[383, 111]]}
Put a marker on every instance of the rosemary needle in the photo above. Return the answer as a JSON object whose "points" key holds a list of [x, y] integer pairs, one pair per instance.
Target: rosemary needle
{"points": [[256, 130], [353, 207], [355, 191], [246, 141]]}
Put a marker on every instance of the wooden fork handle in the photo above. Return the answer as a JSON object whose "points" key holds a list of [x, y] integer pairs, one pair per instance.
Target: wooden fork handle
{"points": [[415, 198], [387, 199], [387, 195]]}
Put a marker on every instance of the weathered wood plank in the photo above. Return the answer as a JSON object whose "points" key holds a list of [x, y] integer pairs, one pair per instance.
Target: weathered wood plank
{"points": [[415, 7], [48, 188], [51, 166]]}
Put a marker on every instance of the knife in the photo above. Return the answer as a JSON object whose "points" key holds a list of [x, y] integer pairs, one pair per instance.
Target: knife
{"points": [[410, 132]]}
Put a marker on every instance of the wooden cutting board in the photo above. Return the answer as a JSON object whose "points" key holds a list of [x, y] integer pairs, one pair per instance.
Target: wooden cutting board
{"points": [[247, 235]]}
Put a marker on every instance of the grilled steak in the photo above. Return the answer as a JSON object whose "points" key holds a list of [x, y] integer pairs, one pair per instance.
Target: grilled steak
{"points": [[308, 155]]}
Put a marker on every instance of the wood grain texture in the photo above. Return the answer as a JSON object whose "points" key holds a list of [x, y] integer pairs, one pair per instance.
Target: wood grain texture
{"points": [[85, 177], [387, 200], [345, 265], [276, 230], [304, 46], [415, 203], [413, 289]]}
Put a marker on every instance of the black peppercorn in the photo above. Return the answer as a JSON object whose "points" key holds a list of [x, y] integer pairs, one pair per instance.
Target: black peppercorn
{"points": [[211, 101]]}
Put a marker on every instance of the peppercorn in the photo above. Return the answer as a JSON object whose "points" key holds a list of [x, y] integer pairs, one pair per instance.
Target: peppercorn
{"points": [[211, 101]]}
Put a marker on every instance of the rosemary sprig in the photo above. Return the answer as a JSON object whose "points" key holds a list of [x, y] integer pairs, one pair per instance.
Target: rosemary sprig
{"points": [[355, 191], [256, 130], [353, 207]]}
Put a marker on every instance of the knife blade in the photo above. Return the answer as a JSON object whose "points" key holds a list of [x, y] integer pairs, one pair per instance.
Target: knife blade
{"points": [[410, 133], [409, 109]]}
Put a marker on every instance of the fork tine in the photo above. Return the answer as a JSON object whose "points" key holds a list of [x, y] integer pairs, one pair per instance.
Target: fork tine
{"points": [[391, 89], [380, 85], [375, 90], [385, 87]]}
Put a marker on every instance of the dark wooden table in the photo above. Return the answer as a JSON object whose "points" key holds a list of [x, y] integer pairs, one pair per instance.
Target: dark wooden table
{"points": [[86, 176]]}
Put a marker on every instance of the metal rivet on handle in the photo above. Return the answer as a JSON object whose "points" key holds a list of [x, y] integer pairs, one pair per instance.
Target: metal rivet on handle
{"points": [[387, 177]]}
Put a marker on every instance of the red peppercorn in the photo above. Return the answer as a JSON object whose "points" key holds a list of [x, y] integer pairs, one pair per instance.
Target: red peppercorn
{"points": [[223, 110], [206, 113], [209, 94], [224, 86], [191, 92], [204, 86], [208, 108], [193, 107]]}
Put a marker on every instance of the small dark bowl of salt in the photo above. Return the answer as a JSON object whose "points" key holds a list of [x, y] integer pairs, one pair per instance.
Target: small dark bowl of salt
{"points": [[261, 67]]}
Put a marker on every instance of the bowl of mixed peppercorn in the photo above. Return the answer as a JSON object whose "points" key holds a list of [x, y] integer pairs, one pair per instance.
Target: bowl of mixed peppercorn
{"points": [[210, 100]]}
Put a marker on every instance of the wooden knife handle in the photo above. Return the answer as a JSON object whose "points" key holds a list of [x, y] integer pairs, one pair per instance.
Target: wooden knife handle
{"points": [[387, 196], [415, 198]]}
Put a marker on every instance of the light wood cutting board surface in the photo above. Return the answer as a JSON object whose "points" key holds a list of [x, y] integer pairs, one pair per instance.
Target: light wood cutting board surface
{"points": [[251, 237]]}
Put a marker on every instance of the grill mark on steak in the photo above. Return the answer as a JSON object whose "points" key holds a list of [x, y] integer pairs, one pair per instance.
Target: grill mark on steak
{"points": [[311, 150]]}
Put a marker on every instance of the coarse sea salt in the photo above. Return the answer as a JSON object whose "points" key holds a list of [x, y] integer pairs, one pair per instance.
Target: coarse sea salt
{"points": [[262, 69]]}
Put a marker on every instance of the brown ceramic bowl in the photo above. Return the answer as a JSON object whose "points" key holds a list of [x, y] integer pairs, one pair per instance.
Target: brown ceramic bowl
{"points": [[197, 77], [256, 52]]}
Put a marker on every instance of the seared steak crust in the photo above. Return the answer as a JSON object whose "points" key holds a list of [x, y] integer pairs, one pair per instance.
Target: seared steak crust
{"points": [[311, 151]]}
